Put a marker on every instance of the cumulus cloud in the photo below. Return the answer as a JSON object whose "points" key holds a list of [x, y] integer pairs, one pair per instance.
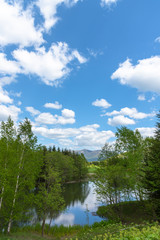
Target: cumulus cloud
{"points": [[50, 65], [68, 113], [120, 120], [33, 111], [6, 80], [48, 9], [147, 131], [11, 110], [145, 75], [17, 26], [130, 112], [4, 97], [7, 66], [54, 105], [108, 2], [68, 117], [141, 97], [101, 103], [86, 136]]}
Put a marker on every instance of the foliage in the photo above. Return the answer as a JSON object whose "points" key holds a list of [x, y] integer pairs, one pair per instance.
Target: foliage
{"points": [[152, 165], [128, 212], [49, 198], [20, 160], [120, 174], [70, 165]]}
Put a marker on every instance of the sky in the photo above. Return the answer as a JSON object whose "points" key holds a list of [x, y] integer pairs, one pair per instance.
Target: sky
{"points": [[80, 69]]}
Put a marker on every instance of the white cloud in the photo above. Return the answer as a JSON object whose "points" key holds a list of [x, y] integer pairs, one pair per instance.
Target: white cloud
{"points": [[68, 113], [6, 80], [65, 219], [75, 138], [147, 131], [55, 105], [81, 59], [49, 66], [145, 76], [7, 66], [120, 120], [4, 98], [108, 2], [48, 9], [46, 118], [101, 103], [131, 112], [141, 97], [12, 111], [152, 99], [33, 111], [17, 25], [157, 39], [68, 117]]}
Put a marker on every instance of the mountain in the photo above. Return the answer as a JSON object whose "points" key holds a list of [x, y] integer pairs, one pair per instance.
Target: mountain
{"points": [[90, 155]]}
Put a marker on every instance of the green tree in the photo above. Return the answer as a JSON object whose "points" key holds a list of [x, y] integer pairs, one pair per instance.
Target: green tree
{"points": [[21, 166], [120, 174], [152, 164], [49, 199]]}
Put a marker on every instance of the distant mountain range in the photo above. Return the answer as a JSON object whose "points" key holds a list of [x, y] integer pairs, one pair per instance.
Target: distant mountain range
{"points": [[90, 155]]}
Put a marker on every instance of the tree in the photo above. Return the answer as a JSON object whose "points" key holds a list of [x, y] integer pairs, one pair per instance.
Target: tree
{"points": [[7, 140], [152, 165], [21, 162], [107, 151], [119, 174], [49, 199]]}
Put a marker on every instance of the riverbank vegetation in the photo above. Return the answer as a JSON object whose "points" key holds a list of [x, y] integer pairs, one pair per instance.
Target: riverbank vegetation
{"points": [[98, 231], [32, 180], [32, 177]]}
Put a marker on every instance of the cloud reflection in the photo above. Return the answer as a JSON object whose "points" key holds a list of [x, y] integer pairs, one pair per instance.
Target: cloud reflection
{"points": [[65, 220]]}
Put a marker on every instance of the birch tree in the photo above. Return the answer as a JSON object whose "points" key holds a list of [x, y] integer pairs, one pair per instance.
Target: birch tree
{"points": [[20, 158]]}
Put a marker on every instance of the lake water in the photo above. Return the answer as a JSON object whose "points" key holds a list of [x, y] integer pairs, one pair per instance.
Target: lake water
{"points": [[81, 205]]}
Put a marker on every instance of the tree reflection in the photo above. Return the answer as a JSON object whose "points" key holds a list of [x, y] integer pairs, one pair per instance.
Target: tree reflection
{"points": [[76, 192]]}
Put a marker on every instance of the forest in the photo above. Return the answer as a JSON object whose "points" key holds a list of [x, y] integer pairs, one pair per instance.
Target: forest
{"points": [[128, 176], [32, 176]]}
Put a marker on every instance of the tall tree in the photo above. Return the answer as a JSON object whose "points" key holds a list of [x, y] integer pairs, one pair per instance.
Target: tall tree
{"points": [[20, 159], [49, 199], [152, 164], [120, 173]]}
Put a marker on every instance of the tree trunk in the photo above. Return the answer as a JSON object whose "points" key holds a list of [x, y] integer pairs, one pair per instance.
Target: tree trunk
{"points": [[43, 226], [13, 204], [3, 183], [15, 194]]}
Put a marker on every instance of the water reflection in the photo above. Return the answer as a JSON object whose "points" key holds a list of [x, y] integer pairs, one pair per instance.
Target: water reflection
{"points": [[76, 192], [81, 205]]}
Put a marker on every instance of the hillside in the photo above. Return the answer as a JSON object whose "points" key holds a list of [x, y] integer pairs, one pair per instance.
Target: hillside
{"points": [[90, 155]]}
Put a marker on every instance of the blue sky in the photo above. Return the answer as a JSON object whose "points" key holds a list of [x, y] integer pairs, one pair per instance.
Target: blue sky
{"points": [[78, 69]]}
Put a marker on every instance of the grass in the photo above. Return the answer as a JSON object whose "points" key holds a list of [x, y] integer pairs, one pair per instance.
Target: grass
{"points": [[121, 232], [105, 230], [92, 168]]}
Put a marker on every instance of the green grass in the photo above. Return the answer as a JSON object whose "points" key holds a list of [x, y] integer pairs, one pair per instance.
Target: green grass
{"points": [[122, 232], [92, 168], [98, 231]]}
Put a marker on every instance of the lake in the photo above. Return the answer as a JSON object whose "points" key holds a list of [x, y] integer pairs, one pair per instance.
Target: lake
{"points": [[81, 205]]}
